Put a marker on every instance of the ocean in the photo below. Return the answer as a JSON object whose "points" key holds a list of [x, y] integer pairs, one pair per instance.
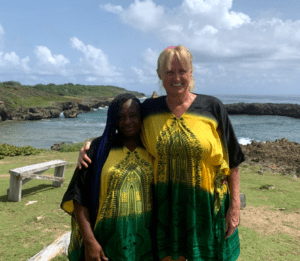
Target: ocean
{"points": [[44, 133]]}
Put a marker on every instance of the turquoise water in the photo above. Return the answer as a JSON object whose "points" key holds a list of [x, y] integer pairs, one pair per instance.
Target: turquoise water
{"points": [[44, 133]]}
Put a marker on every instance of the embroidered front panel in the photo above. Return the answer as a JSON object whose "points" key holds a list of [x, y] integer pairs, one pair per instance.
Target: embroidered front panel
{"points": [[128, 190], [179, 155]]}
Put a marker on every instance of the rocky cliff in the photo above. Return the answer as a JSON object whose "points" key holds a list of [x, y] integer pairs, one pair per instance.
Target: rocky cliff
{"points": [[69, 109], [289, 110]]}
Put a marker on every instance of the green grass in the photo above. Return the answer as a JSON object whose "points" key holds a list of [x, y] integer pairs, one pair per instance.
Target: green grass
{"points": [[279, 247], [19, 96], [16, 95], [23, 235], [285, 195], [71, 148]]}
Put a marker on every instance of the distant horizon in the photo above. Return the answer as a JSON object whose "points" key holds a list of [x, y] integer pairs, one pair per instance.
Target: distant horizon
{"points": [[159, 91]]}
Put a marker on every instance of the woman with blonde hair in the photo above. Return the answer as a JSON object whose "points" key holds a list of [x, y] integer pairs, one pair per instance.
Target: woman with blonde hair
{"points": [[195, 153]]}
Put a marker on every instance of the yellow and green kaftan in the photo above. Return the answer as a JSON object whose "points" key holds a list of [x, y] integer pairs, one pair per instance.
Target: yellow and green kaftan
{"points": [[123, 222], [193, 155]]}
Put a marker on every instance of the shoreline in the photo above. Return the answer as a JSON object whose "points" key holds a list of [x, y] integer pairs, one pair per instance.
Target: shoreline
{"points": [[70, 109]]}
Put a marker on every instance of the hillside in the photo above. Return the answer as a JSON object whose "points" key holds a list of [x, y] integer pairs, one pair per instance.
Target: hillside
{"points": [[15, 95]]}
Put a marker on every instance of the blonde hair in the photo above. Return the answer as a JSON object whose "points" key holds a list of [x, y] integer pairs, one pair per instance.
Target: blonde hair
{"points": [[166, 56]]}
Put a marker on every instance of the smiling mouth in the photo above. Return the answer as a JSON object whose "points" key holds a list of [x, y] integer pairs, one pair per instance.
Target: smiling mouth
{"points": [[129, 128], [176, 85]]}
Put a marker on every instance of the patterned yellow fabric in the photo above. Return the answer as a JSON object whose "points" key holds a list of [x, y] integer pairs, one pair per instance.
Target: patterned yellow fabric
{"points": [[191, 161], [189, 143], [125, 186], [123, 225]]}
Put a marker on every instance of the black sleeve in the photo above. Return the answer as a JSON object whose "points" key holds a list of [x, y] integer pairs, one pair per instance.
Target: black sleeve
{"points": [[234, 150], [79, 187]]}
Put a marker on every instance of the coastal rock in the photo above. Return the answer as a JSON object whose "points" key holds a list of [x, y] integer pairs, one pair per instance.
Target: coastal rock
{"points": [[154, 95], [280, 156], [54, 113], [96, 102], [83, 107], [34, 110], [70, 106], [38, 113], [34, 116], [3, 113], [71, 113], [57, 146], [289, 110]]}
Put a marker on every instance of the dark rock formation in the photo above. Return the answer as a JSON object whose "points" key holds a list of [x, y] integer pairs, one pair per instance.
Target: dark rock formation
{"points": [[54, 113], [70, 109], [3, 113], [289, 110], [97, 102], [280, 156], [58, 146], [71, 113], [31, 116]]}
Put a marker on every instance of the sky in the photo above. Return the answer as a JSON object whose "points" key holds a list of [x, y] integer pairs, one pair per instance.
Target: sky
{"points": [[239, 46]]}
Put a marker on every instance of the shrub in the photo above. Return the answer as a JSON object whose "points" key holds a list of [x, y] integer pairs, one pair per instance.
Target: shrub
{"points": [[72, 147], [11, 150]]}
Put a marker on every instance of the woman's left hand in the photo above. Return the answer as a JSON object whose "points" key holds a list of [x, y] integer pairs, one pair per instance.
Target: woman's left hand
{"points": [[232, 220]]}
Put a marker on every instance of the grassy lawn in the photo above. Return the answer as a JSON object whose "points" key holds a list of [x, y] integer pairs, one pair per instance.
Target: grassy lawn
{"points": [[266, 233], [25, 230]]}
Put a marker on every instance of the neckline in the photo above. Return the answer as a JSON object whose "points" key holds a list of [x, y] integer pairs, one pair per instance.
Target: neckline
{"points": [[128, 150], [168, 109]]}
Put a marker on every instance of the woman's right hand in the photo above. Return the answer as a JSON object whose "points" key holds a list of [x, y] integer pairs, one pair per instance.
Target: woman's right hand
{"points": [[94, 252], [83, 159]]}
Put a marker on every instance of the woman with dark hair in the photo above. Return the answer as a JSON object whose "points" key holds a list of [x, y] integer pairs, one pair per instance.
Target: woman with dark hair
{"points": [[110, 201]]}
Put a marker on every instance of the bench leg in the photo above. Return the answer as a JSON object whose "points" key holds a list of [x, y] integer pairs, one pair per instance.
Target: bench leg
{"points": [[59, 172], [15, 188]]}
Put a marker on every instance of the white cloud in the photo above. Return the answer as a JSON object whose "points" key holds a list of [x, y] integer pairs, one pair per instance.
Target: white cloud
{"points": [[140, 73], [149, 59], [143, 76], [91, 79], [217, 12], [112, 8], [147, 74], [226, 44], [201, 69], [48, 63], [143, 15], [212, 29], [95, 64], [11, 60]]}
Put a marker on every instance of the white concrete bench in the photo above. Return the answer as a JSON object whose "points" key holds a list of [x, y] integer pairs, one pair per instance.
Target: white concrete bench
{"points": [[20, 176]]}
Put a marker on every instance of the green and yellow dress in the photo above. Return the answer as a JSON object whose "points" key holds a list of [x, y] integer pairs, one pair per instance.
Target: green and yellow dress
{"points": [[193, 155], [123, 222]]}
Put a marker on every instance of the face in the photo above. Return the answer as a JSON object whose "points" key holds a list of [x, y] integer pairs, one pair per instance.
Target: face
{"points": [[176, 80], [129, 119]]}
